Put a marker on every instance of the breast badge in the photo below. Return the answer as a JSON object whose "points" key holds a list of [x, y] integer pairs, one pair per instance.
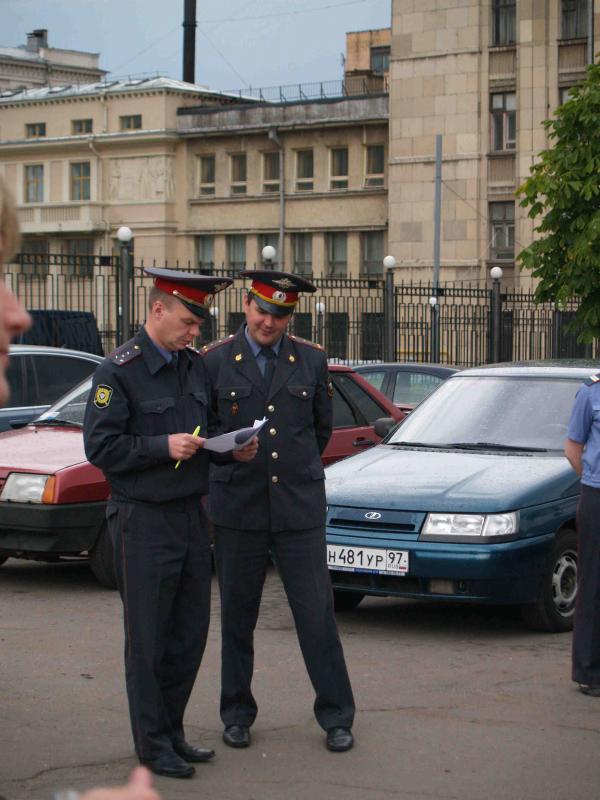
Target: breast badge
{"points": [[330, 389], [234, 408], [102, 396]]}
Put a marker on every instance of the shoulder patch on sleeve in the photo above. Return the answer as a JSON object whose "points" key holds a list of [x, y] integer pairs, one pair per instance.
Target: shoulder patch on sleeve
{"points": [[308, 343], [217, 343], [592, 380], [103, 395], [125, 353]]}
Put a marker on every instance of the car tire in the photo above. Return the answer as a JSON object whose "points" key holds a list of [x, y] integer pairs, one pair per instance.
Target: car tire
{"points": [[555, 607], [102, 560], [346, 601]]}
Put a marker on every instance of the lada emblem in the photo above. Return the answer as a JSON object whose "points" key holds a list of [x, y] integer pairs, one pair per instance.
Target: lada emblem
{"points": [[372, 515]]}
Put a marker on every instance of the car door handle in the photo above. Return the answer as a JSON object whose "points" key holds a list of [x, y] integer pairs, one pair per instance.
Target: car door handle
{"points": [[362, 442]]}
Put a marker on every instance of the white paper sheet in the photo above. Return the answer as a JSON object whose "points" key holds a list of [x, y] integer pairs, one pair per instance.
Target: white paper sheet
{"points": [[234, 440]]}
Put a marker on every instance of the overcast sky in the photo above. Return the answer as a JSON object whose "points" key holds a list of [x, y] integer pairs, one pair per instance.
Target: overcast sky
{"points": [[239, 43]]}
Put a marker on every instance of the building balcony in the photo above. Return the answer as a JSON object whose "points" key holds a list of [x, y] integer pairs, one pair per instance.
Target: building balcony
{"points": [[61, 218]]}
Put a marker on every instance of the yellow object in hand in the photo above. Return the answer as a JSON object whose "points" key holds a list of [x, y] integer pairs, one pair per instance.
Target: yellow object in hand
{"points": [[195, 433]]}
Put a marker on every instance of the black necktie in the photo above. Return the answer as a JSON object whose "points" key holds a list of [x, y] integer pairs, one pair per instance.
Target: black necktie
{"points": [[270, 358]]}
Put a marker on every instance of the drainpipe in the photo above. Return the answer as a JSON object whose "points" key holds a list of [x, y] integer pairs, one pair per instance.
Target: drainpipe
{"points": [[281, 249], [100, 183]]}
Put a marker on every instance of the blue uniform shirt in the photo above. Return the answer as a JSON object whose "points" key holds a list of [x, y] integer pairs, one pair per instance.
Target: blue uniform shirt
{"points": [[584, 427]]}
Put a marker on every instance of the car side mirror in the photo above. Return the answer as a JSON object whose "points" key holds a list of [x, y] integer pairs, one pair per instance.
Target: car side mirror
{"points": [[383, 426]]}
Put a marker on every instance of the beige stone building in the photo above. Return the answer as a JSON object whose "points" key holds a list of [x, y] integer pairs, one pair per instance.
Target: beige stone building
{"points": [[484, 75], [36, 64]]}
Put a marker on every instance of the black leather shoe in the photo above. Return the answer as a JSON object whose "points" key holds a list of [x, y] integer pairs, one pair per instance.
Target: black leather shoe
{"points": [[171, 766], [339, 739], [593, 691], [188, 752], [237, 735]]}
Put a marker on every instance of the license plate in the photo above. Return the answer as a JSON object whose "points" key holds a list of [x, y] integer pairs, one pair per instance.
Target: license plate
{"points": [[367, 559]]}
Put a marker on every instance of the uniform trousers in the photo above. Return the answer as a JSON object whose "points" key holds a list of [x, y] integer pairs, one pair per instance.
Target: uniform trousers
{"points": [[586, 632], [163, 565], [242, 558]]}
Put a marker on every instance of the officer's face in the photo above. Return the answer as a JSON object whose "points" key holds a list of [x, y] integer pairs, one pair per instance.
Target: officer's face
{"points": [[13, 321], [266, 329], [176, 327]]}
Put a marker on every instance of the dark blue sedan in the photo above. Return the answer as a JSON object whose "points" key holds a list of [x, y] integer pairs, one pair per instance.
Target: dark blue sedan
{"points": [[470, 498]]}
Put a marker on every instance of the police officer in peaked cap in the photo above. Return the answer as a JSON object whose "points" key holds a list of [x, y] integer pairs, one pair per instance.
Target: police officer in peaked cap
{"points": [[148, 399], [275, 503]]}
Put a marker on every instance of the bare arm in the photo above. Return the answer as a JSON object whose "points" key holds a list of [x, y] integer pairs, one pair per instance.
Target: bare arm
{"points": [[573, 452]]}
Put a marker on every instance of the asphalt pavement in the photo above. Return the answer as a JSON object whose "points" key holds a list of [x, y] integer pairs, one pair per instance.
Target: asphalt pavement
{"points": [[454, 702]]}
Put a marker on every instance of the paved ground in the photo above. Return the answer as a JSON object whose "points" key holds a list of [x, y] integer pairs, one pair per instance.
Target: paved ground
{"points": [[453, 702]]}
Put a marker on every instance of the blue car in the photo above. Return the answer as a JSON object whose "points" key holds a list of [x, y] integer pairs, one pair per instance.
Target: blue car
{"points": [[470, 498]]}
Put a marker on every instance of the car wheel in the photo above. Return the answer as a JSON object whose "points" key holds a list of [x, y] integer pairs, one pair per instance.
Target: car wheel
{"points": [[346, 601], [102, 562], [554, 609]]}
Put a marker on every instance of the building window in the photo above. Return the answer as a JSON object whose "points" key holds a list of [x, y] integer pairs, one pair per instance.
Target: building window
{"points": [[131, 122], [302, 247], [79, 126], [503, 107], [236, 252], [270, 172], [238, 174], [205, 250], [574, 19], [206, 174], [304, 171], [565, 93], [269, 239], [502, 231], [372, 254], [503, 22], [337, 254], [380, 60], [34, 256], [375, 166], [80, 257], [34, 130], [34, 183], [80, 181], [339, 168]]}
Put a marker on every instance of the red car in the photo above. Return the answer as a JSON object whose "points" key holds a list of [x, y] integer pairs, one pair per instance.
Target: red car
{"points": [[52, 499]]}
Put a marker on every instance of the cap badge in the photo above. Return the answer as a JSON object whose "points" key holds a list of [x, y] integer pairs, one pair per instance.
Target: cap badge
{"points": [[281, 296], [285, 283]]}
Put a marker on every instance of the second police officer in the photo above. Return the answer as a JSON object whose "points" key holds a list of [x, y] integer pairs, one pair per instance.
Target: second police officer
{"points": [[275, 504]]}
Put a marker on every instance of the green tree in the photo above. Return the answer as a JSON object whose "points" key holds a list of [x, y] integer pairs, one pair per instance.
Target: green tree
{"points": [[564, 191]]}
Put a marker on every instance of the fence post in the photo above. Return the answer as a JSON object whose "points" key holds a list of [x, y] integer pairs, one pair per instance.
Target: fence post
{"points": [[496, 315], [124, 235], [389, 315]]}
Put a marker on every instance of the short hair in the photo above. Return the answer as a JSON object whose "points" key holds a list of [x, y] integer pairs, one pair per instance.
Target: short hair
{"points": [[158, 294], [9, 224]]}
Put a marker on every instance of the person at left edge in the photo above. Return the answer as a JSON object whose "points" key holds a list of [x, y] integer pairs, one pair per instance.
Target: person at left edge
{"points": [[147, 398]]}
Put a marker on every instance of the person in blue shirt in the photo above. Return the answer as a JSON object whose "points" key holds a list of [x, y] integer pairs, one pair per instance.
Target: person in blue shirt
{"points": [[582, 449]]}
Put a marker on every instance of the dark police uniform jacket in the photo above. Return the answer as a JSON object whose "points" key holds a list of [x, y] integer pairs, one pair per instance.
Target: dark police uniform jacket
{"points": [[137, 400], [283, 488]]}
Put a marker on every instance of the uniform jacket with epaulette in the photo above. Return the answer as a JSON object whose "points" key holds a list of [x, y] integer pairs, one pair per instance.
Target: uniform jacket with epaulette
{"points": [[137, 400], [283, 488]]}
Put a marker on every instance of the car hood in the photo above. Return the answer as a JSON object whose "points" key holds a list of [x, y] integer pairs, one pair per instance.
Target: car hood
{"points": [[40, 449], [391, 478]]}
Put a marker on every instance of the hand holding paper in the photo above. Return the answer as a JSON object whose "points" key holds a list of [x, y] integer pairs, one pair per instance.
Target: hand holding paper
{"points": [[234, 440]]}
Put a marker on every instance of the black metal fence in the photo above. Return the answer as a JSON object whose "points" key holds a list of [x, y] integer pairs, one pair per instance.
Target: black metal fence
{"points": [[354, 319]]}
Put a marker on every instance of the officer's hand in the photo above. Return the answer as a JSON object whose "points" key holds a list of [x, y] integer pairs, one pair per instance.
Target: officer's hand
{"points": [[183, 445], [248, 451], [138, 788]]}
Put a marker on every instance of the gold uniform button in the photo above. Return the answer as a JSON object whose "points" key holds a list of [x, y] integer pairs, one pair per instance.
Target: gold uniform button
{"points": [[272, 431], [303, 394], [270, 409], [274, 479], [274, 455]]}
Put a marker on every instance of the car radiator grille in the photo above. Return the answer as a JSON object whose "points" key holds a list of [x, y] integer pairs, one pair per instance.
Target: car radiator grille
{"points": [[378, 583]]}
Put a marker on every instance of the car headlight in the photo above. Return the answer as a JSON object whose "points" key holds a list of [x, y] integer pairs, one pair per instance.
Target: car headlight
{"points": [[471, 526], [24, 487]]}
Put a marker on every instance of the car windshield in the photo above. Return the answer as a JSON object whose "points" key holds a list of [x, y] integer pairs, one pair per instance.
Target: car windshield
{"points": [[70, 408], [498, 413]]}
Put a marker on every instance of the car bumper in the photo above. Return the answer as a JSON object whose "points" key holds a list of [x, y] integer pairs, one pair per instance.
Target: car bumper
{"points": [[509, 572], [30, 529]]}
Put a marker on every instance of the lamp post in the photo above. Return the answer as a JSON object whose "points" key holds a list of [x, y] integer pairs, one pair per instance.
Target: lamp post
{"points": [[320, 309], [269, 254], [496, 275], [124, 235], [389, 331], [434, 354]]}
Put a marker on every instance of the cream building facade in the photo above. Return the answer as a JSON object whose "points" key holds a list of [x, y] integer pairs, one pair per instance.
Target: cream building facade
{"points": [[484, 75]]}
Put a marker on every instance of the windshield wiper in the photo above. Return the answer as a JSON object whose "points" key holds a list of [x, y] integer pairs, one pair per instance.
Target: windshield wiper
{"points": [[496, 446], [57, 421], [421, 444]]}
